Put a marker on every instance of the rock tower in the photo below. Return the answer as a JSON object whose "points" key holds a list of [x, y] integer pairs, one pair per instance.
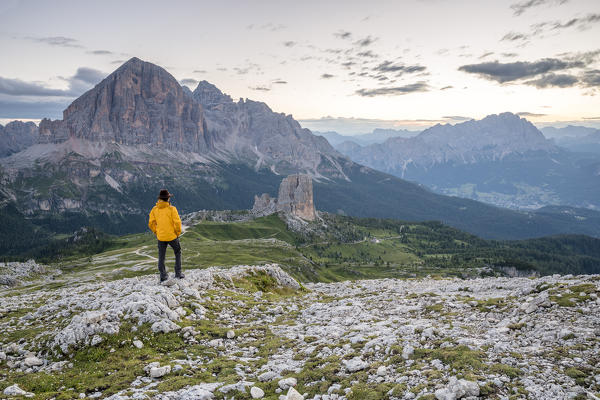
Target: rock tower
{"points": [[295, 198]]}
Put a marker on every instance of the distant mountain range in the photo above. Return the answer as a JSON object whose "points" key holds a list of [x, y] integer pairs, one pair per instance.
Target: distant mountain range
{"points": [[575, 138], [365, 139], [501, 159], [138, 131]]}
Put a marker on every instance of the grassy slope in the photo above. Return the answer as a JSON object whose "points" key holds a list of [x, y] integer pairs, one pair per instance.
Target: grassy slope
{"points": [[350, 248]]}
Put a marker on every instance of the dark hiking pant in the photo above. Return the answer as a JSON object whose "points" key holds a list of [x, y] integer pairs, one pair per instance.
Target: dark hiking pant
{"points": [[162, 250]]}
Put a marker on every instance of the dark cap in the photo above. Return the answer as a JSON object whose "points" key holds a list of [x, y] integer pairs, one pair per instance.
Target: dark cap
{"points": [[164, 195]]}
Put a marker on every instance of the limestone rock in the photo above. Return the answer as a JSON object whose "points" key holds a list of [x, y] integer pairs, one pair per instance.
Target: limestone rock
{"points": [[139, 103], [33, 362], [293, 394], [138, 344], [456, 389], [267, 376], [295, 198], [263, 138], [256, 392], [355, 364], [287, 383], [15, 390], [17, 136], [264, 204], [158, 372]]}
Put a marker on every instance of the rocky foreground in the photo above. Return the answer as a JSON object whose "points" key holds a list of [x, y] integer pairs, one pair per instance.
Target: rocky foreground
{"points": [[254, 332]]}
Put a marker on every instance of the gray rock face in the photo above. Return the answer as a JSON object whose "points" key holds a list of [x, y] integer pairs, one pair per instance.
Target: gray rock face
{"points": [[295, 198], [139, 103], [251, 131], [208, 94], [264, 204], [491, 138], [17, 136]]}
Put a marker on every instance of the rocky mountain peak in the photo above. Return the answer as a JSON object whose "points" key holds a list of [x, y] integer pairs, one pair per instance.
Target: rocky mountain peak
{"points": [[493, 136], [139, 103], [208, 95], [16, 136]]}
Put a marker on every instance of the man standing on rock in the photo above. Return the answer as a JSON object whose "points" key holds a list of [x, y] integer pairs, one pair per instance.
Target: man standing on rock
{"points": [[164, 221]]}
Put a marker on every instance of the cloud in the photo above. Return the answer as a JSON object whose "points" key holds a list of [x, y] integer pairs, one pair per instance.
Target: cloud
{"points": [[189, 82], [244, 70], [457, 118], [508, 72], [553, 80], [14, 108], [514, 36], [486, 54], [343, 34], [389, 66], [530, 114], [117, 62], [88, 75], [367, 54], [260, 88], [269, 26], [541, 28], [327, 76], [510, 55], [579, 23], [83, 79], [591, 78], [199, 71], [100, 52], [17, 87], [394, 90], [521, 7], [365, 41], [60, 41], [447, 87], [289, 43], [279, 82]]}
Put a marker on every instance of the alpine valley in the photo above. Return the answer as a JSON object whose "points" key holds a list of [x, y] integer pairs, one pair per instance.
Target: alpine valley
{"points": [[139, 130]]}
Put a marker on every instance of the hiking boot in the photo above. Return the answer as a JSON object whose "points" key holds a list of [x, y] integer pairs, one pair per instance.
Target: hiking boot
{"points": [[180, 276], [163, 278]]}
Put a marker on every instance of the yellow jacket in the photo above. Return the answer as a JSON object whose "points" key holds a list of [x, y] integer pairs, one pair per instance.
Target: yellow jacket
{"points": [[164, 221]]}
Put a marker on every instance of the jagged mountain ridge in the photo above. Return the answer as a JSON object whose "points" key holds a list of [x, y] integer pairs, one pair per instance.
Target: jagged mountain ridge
{"points": [[88, 171], [378, 135], [501, 159], [251, 130], [17, 136], [491, 138]]}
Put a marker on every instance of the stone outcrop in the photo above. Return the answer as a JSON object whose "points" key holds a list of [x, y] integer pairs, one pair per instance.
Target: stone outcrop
{"points": [[17, 136], [139, 103], [295, 198]]}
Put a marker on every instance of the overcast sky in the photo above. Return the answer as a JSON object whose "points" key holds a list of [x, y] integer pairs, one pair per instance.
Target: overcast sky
{"points": [[345, 65]]}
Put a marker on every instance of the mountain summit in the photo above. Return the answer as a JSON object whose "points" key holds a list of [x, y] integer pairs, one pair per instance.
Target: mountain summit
{"points": [[139, 103], [491, 138]]}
